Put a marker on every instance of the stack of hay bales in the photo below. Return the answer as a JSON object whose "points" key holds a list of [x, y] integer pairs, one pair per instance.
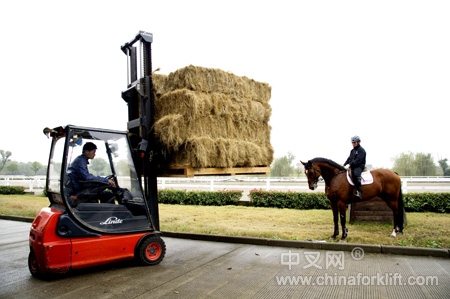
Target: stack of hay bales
{"points": [[211, 118]]}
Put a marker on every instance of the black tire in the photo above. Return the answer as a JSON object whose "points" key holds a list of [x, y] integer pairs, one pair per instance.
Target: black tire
{"points": [[33, 266], [151, 251]]}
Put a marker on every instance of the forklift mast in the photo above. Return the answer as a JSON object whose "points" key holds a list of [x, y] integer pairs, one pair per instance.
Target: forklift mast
{"points": [[139, 97]]}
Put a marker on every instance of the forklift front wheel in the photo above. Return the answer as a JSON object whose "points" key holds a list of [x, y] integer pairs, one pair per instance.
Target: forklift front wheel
{"points": [[151, 251]]}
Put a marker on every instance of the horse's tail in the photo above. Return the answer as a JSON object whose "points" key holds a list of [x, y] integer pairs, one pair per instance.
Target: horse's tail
{"points": [[402, 221]]}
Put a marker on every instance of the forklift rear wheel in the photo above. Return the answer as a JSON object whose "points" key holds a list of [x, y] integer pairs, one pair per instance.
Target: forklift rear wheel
{"points": [[151, 251], [33, 265]]}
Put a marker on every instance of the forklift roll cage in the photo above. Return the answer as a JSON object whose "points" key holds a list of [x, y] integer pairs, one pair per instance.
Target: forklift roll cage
{"points": [[113, 147]]}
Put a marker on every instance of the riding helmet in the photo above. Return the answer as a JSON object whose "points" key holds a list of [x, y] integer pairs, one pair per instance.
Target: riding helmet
{"points": [[356, 139]]}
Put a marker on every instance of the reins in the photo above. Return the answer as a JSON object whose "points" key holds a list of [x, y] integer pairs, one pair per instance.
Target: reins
{"points": [[319, 178]]}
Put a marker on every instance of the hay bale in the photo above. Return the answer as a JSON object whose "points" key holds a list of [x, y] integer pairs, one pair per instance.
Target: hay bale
{"points": [[215, 80], [201, 152], [160, 84], [211, 118], [198, 104]]}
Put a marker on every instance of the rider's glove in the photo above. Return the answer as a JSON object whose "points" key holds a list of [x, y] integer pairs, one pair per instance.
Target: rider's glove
{"points": [[347, 166]]}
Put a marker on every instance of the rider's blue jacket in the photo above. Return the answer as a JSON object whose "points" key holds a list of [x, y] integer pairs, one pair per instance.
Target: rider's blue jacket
{"points": [[78, 171], [357, 158]]}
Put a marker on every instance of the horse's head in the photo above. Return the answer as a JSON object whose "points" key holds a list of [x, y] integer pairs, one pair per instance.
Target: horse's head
{"points": [[312, 173]]}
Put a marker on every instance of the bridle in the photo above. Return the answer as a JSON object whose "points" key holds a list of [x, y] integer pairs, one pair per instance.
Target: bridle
{"points": [[317, 178]]}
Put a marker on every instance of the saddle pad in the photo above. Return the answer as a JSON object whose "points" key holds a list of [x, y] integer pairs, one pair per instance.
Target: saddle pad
{"points": [[366, 178]]}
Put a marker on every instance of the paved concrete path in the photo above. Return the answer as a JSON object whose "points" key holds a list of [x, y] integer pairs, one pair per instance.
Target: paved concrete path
{"points": [[206, 269]]}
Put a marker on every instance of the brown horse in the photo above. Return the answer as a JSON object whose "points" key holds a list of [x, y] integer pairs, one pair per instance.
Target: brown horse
{"points": [[386, 185]]}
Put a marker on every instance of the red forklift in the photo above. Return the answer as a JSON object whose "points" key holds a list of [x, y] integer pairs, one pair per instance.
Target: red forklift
{"points": [[72, 234]]}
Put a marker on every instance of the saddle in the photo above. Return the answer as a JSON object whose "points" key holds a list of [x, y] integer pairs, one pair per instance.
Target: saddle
{"points": [[366, 177]]}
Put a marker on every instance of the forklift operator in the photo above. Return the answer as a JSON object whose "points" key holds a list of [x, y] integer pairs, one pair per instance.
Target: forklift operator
{"points": [[79, 174]]}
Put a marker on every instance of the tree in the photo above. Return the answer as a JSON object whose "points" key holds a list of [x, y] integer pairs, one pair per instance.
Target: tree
{"points": [[282, 167], [424, 165], [403, 164], [99, 167], [36, 166], [5, 158], [12, 167], [418, 164], [443, 164]]}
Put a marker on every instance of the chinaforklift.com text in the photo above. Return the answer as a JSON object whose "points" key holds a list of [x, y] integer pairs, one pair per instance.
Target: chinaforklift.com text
{"points": [[386, 279], [335, 260]]}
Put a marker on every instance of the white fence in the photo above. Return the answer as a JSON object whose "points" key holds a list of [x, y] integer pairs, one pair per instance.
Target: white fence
{"points": [[245, 183], [28, 182]]}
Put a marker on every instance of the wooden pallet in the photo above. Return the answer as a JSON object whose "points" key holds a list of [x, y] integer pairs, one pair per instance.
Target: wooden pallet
{"points": [[374, 210], [189, 171]]}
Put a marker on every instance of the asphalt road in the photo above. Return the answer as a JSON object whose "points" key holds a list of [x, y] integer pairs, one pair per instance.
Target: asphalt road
{"points": [[206, 269]]}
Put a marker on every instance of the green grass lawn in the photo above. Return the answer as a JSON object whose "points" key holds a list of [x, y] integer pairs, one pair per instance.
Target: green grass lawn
{"points": [[423, 229]]}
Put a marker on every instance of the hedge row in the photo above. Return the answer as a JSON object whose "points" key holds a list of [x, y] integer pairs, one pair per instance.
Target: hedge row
{"points": [[414, 202], [203, 198], [9, 190], [289, 200], [427, 202]]}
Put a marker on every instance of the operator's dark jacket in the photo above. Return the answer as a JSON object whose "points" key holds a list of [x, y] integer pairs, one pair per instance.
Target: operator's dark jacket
{"points": [[357, 158]]}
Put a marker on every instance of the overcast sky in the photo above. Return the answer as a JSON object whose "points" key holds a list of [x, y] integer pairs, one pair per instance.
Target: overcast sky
{"points": [[377, 69]]}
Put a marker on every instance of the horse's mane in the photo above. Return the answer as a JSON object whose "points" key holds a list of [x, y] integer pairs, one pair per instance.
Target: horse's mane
{"points": [[331, 162]]}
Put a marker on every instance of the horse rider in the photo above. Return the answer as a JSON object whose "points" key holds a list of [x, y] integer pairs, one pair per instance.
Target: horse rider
{"points": [[356, 162]]}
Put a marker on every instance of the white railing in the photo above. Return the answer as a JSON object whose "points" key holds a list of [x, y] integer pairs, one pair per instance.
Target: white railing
{"points": [[28, 182]]}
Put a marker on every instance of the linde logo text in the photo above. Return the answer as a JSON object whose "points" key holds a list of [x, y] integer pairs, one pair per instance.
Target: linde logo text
{"points": [[112, 220]]}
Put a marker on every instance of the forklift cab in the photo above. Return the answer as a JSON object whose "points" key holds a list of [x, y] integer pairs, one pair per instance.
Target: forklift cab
{"points": [[70, 233], [127, 210]]}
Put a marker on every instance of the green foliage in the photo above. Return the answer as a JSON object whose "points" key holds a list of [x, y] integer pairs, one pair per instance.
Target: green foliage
{"points": [[9, 190], [204, 198], [12, 167], [24, 169], [282, 167], [427, 202], [289, 200], [444, 166], [418, 164], [4, 158], [99, 167], [36, 166], [414, 202]]}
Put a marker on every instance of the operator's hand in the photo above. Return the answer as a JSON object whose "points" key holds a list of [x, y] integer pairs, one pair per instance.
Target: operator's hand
{"points": [[111, 182], [347, 166]]}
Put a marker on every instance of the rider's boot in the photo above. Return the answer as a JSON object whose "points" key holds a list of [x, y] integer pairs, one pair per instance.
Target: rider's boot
{"points": [[358, 192]]}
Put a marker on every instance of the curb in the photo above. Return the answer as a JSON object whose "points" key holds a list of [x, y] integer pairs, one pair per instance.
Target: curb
{"points": [[383, 249]]}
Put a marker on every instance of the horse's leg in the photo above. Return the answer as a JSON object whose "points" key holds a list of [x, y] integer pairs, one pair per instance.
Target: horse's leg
{"points": [[394, 207], [334, 208], [398, 221], [342, 213]]}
